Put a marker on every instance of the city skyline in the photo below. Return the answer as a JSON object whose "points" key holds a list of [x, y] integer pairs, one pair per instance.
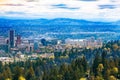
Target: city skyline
{"points": [[94, 10]]}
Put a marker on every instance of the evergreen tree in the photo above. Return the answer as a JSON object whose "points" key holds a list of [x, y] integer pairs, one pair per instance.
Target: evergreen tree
{"points": [[30, 75], [96, 62]]}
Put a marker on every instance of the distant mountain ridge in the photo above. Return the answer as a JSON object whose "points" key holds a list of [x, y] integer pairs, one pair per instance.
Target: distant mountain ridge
{"points": [[57, 21]]}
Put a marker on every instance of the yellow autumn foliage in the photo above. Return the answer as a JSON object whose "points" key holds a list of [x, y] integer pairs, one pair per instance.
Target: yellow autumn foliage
{"points": [[100, 67], [99, 78], [115, 46], [115, 70], [112, 77], [8, 79], [83, 79], [52, 57], [21, 78]]}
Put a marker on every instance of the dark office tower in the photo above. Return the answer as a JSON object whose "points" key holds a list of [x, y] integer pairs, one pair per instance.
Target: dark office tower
{"points": [[7, 41], [11, 38], [18, 41]]}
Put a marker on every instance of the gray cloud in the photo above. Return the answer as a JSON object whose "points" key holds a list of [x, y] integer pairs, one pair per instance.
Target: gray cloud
{"points": [[14, 12], [64, 6], [12, 4], [113, 0], [107, 6]]}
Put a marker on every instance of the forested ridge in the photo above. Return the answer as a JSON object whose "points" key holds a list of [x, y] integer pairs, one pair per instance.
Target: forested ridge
{"points": [[72, 64]]}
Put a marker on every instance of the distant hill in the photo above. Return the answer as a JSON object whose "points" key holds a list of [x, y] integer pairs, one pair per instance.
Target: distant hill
{"points": [[38, 22], [52, 24]]}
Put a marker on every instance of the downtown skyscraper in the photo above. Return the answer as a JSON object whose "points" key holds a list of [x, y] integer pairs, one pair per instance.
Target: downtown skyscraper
{"points": [[11, 38]]}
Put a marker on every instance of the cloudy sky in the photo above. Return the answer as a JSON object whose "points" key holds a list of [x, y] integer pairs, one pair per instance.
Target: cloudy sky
{"points": [[101, 10]]}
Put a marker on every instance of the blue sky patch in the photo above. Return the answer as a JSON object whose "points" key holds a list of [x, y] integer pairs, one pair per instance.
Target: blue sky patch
{"points": [[64, 6], [107, 6]]}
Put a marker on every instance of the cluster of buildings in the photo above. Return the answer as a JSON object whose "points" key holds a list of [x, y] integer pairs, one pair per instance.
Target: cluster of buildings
{"points": [[89, 43], [16, 48], [23, 48], [14, 43]]}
